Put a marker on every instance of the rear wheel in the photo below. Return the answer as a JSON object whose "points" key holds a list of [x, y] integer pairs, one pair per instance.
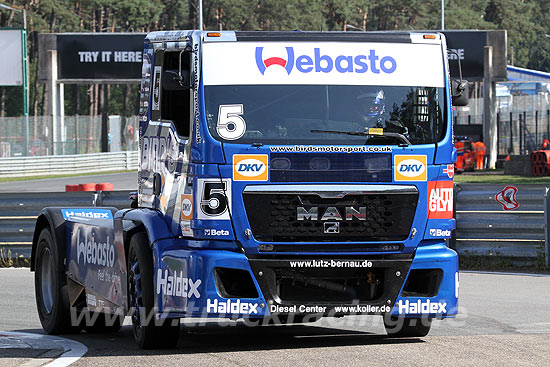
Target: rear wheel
{"points": [[148, 332], [400, 327], [50, 285]]}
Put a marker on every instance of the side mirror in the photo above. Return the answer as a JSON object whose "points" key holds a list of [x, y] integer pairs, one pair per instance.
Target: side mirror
{"points": [[172, 80], [459, 92], [157, 184]]}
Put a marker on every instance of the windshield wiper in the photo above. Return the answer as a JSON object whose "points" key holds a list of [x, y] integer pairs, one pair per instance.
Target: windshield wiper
{"points": [[377, 133]]}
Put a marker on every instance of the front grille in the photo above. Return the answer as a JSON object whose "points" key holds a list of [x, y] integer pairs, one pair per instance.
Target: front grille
{"points": [[281, 282], [329, 247], [273, 216]]}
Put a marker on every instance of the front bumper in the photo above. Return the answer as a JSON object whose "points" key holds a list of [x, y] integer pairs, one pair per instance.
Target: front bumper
{"points": [[218, 283]]}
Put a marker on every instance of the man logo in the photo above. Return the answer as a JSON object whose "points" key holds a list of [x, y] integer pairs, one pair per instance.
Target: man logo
{"points": [[250, 167], [410, 168]]}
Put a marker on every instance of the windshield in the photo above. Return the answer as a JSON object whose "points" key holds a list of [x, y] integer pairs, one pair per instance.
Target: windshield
{"points": [[287, 114]]}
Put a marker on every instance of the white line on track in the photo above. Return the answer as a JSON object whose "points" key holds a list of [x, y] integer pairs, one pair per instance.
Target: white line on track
{"points": [[72, 350], [504, 273]]}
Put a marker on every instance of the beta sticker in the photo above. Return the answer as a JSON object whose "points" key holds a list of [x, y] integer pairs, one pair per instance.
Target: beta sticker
{"points": [[250, 167]]}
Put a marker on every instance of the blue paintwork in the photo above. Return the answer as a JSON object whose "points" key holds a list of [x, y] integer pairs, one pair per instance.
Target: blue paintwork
{"points": [[153, 221], [435, 255], [199, 265]]}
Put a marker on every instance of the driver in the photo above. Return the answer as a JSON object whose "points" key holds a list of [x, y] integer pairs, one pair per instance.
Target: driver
{"points": [[371, 107]]}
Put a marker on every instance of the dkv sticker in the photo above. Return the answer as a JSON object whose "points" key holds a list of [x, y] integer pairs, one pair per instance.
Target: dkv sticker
{"points": [[410, 168], [250, 167]]}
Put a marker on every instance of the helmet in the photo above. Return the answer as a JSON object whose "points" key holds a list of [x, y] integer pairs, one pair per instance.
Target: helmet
{"points": [[371, 106]]}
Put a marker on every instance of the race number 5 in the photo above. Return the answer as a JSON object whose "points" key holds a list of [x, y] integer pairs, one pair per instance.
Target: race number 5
{"points": [[231, 125], [213, 201]]}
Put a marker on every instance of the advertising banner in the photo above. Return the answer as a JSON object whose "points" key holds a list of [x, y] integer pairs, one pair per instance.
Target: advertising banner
{"points": [[331, 63], [11, 68], [100, 56]]}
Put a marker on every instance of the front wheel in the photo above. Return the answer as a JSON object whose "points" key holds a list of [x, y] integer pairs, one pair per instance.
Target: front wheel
{"points": [[148, 331], [401, 327]]}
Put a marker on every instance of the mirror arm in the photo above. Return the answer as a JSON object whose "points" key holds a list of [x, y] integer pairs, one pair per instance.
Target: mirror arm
{"points": [[180, 76], [458, 59]]}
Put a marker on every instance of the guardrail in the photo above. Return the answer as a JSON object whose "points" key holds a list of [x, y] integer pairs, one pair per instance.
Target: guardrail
{"points": [[62, 164], [18, 213], [483, 227]]}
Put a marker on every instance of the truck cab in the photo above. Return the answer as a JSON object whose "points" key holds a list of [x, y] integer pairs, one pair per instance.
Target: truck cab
{"points": [[283, 176]]}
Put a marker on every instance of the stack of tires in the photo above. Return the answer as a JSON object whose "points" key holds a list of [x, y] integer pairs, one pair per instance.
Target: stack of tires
{"points": [[104, 186], [540, 163]]}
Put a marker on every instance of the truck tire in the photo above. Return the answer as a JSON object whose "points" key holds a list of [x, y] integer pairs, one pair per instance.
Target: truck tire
{"points": [[50, 285], [148, 332], [407, 327]]}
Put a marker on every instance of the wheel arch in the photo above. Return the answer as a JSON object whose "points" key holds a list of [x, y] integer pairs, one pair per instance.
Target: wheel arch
{"points": [[150, 221], [52, 219]]}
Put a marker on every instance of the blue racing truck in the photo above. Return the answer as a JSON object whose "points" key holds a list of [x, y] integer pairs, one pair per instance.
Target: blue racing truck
{"points": [[284, 177]]}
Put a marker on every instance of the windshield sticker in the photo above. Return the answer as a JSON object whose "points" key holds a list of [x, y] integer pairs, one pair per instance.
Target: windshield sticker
{"points": [[376, 131], [231, 125], [196, 110], [357, 63], [329, 149]]}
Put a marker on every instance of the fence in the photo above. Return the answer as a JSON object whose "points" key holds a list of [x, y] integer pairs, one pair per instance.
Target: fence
{"points": [[483, 227], [523, 122], [81, 134], [63, 164]]}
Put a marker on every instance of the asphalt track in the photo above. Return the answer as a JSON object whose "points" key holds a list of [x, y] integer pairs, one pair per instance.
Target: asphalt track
{"points": [[504, 321], [120, 181]]}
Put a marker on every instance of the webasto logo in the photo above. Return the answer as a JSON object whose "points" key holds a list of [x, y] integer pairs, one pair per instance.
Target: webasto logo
{"points": [[96, 253], [321, 63]]}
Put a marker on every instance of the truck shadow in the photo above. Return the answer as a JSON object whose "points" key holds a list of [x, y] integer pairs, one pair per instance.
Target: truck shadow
{"points": [[236, 337]]}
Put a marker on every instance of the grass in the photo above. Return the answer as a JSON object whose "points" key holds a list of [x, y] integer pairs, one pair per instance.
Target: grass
{"points": [[10, 179], [7, 260], [495, 178]]}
